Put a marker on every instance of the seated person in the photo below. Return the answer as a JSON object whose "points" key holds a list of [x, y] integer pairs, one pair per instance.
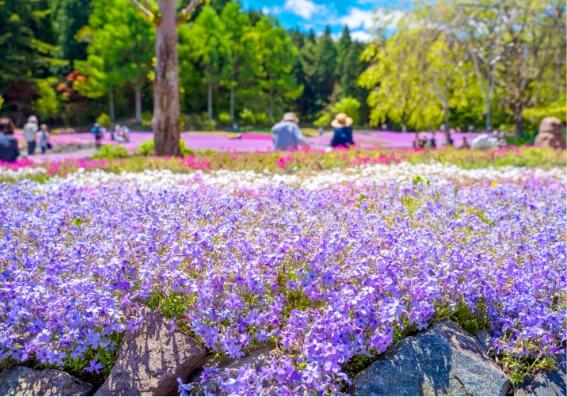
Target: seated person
{"points": [[9, 150], [342, 134]]}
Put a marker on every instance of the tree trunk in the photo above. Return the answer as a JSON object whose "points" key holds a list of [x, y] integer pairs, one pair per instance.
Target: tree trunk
{"points": [[138, 95], [166, 83], [232, 104], [210, 100], [519, 120], [111, 105], [271, 109]]}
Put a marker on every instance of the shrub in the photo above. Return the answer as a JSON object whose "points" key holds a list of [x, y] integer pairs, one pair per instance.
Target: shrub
{"points": [[148, 148], [262, 119], [247, 117], [323, 121], [194, 121], [209, 125], [350, 106], [104, 120], [147, 119], [224, 118], [110, 152], [48, 104]]}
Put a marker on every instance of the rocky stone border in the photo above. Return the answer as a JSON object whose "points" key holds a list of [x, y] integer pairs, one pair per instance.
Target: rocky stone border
{"points": [[443, 360]]}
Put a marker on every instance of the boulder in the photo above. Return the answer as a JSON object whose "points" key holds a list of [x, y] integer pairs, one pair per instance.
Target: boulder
{"points": [[150, 361], [254, 359], [552, 383], [445, 360], [24, 381]]}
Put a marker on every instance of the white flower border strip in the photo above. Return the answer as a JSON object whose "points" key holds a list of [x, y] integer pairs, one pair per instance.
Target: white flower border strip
{"points": [[377, 174]]}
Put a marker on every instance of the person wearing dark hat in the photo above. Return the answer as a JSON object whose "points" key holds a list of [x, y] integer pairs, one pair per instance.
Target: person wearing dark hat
{"points": [[286, 134], [9, 150], [342, 135]]}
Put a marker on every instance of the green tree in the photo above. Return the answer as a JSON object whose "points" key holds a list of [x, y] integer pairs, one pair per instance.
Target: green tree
{"points": [[275, 54], [120, 52], [69, 17], [166, 19], [240, 59], [28, 52], [211, 50], [326, 66]]}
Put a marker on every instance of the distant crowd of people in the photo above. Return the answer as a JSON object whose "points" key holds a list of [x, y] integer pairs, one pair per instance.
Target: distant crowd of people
{"points": [[33, 134], [121, 134]]}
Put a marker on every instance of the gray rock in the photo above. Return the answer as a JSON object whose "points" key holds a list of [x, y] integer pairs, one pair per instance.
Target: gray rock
{"points": [[24, 381], [150, 361], [445, 360], [552, 383], [254, 359]]}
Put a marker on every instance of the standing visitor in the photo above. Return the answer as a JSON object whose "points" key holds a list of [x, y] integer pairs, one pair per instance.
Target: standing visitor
{"points": [[9, 150], [97, 132], [30, 129], [342, 134], [286, 134], [44, 138], [466, 144]]}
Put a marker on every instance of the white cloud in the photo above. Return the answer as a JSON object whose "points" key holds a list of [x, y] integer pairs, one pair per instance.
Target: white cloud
{"points": [[303, 8], [361, 35], [370, 19], [387, 18], [358, 18]]}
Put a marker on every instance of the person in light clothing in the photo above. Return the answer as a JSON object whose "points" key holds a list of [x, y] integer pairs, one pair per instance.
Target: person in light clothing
{"points": [[286, 134]]}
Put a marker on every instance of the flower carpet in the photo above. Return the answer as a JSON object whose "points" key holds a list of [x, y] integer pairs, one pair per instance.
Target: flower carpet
{"points": [[325, 268]]}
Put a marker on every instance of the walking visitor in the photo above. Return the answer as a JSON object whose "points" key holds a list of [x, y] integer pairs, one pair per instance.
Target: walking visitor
{"points": [[286, 134], [30, 130], [97, 132], [44, 139], [342, 134]]}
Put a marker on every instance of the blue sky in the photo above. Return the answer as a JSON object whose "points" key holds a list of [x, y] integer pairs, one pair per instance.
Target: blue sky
{"points": [[360, 15]]}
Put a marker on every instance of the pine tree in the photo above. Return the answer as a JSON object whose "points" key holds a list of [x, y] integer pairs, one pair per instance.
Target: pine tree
{"points": [[326, 66]]}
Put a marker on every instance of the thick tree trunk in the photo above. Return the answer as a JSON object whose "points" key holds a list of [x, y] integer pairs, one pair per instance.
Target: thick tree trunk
{"points": [[166, 83], [210, 100], [519, 121], [111, 105], [138, 95]]}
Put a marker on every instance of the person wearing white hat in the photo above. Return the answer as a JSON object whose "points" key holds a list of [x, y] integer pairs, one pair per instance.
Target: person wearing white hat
{"points": [[286, 134], [342, 135], [30, 130]]}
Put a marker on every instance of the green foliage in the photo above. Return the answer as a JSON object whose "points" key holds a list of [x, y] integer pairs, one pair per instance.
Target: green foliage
{"points": [[171, 305], [1, 102], [209, 125], [556, 109], [224, 118], [47, 104], [148, 147], [350, 106], [247, 117], [110, 152], [147, 119], [104, 120], [324, 120]]}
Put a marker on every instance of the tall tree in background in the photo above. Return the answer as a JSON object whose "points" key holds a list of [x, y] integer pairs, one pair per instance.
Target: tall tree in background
{"points": [[326, 65], [275, 54], [166, 79], [29, 51], [211, 49], [240, 65], [119, 53], [69, 17]]}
